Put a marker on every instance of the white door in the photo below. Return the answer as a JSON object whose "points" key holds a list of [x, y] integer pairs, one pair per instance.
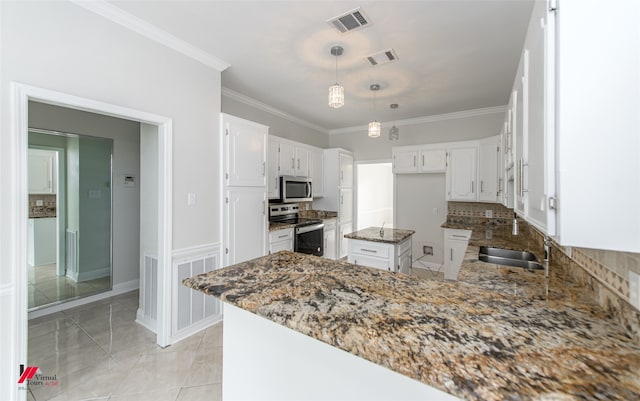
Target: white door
{"points": [[488, 156], [273, 177], [405, 161], [462, 174], [343, 243], [346, 170], [302, 162], [345, 213], [246, 146], [246, 224], [330, 243], [519, 127], [287, 157]]}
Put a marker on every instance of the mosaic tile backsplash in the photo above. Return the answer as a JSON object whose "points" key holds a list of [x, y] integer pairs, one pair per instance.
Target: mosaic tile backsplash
{"points": [[42, 206]]}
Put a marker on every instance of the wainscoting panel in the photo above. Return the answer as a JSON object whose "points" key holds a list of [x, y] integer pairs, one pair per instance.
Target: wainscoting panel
{"points": [[148, 309]]}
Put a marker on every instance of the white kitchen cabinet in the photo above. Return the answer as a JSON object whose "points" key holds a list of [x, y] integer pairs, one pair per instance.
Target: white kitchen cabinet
{"points": [[346, 170], [273, 174], [455, 246], [287, 158], [42, 241], [316, 171], [345, 209], [405, 161], [245, 224], [519, 126], [245, 147], [381, 255], [461, 174], [330, 239], [433, 160], [42, 171], [281, 240], [343, 243], [302, 161], [488, 161]]}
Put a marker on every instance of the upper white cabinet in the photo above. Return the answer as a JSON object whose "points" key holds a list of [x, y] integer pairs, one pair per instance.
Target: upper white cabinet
{"points": [[245, 147], [461, 174], [419, 159], [346, 170], [42, 171], [488, 161], [297, 159], [598, 124]]}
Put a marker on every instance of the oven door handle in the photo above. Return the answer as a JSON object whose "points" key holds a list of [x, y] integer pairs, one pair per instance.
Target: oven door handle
{"points": [[306, 229]]}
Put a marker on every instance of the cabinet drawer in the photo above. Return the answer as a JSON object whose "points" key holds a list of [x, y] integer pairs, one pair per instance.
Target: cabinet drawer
{"points": [[455, 234], [366, 260], [369, 248], [281, 235]]}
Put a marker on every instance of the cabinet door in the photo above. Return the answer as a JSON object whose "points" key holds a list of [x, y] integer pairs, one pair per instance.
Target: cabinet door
{"points": [[245, 224], [316, 171], [369, 261], [287, 158], [405, 161], [246, 152], [281, 246], [519, 134], [433, 160], [302, 162], [454, 254], [346, 170], [330, 243], [273, 176], [345, 212], [343, 243], [404, 263], [41, 171], [462, 174], [488, 157]]}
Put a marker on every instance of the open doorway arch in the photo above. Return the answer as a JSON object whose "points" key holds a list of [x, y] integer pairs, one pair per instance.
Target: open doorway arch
{"points": [[21, 95]]}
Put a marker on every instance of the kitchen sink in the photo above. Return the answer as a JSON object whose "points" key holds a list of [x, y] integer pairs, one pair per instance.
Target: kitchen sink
{"points": [[509, 257]]}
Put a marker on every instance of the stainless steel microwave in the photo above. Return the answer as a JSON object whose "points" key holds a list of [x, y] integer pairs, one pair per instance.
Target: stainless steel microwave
{"points": [[295, 189]]}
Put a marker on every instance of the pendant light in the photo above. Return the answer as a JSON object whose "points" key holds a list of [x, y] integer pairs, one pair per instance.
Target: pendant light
{"points": [[374, 126], [336, 92], [394, 132]]}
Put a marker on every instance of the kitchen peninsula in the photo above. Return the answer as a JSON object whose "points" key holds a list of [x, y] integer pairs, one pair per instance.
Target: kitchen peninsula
{"points": [[387, 249], [294, 323]]}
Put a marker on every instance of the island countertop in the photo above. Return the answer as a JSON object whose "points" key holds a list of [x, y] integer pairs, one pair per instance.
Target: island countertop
{"points": [[523, 337], [389, 235]]}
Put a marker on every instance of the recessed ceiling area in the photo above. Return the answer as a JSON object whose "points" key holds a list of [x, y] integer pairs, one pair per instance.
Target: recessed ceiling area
{"points": [[452, 55]]}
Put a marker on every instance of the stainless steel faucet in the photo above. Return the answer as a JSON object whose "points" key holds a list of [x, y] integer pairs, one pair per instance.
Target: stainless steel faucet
{"points": [[382, 230], [547, 254]]}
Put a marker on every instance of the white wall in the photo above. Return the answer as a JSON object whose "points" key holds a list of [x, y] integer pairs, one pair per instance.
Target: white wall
{"points": [[63, 47], [278, 126], [148, 190], [126, 160]]}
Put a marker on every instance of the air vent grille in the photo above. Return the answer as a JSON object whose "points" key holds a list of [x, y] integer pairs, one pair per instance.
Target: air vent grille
{"points": [[383, 57], [350, 21]]}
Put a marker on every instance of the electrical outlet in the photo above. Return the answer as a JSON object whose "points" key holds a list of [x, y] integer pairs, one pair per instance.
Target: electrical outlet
{"points": [[488, 214], [427, 250], [634, 289]]}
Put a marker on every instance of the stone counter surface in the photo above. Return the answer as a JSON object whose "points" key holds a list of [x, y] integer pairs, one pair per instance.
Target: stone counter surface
{"points": [[390, 235], [499, 333]]}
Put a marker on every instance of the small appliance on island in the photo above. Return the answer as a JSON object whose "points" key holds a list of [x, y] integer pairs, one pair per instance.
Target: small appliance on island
{"points": [[298, 326]]}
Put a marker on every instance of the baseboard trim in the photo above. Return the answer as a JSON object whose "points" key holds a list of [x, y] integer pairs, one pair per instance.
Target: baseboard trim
{"points": [[196, 251], [118, 289], [196, 327], [93, 274]]}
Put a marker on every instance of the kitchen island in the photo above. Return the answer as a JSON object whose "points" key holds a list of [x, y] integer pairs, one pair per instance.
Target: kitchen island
{"points": [[523, 338], [387, 249]]}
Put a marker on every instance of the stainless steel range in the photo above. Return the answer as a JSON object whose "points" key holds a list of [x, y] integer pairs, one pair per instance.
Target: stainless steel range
{"points": [[309, 233]]}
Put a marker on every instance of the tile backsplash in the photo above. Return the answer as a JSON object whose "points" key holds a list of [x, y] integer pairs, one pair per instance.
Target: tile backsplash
{"points": [[475, 209], [42, 206]]}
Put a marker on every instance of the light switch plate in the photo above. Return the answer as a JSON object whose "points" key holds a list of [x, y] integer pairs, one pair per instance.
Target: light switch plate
{"points": [[191, 199], [488, 214], [634, 289]]}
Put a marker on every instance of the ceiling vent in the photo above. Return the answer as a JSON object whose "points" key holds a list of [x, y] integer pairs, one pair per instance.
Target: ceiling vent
{"points": [[350, 21], [383, 57]]}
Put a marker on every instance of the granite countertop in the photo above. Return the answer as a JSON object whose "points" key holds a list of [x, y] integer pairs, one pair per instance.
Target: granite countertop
{"points": [[390, 235], [280, 226], [318, 214], [496, 334]]}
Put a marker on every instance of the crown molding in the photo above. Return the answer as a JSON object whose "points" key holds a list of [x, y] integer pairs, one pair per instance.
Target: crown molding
{"points": [[239, 97], [426, 119], [121, 17]]}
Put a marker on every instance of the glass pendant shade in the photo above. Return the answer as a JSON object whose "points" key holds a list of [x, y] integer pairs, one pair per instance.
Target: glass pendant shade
{"points": [[374, 129], [336, 96]]}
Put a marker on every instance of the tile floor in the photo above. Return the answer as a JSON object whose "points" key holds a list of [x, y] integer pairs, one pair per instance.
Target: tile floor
{"points": [[46, 287], [98, 352]]}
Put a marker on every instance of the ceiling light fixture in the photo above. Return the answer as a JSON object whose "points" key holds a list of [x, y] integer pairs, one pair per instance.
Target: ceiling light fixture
{"points": [[374, 126], [394, 132], [336, 92]]}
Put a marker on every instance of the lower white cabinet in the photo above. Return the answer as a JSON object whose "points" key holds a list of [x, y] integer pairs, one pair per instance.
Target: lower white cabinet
{"points": [[281, 240], [245, 225], [41, 244], [455, 246], [342, 242], [381, 255], [330, 239]]}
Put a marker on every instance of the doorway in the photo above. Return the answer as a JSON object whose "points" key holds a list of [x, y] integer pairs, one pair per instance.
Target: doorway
{"points": [[374, 194]]}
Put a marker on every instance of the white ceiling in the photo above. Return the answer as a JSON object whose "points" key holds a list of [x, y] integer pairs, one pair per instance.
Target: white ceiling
{"points": [[453, 55]]}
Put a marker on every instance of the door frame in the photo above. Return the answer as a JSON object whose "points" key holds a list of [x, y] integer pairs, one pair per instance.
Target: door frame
{"points": [[355, 188], [21, 94]]}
